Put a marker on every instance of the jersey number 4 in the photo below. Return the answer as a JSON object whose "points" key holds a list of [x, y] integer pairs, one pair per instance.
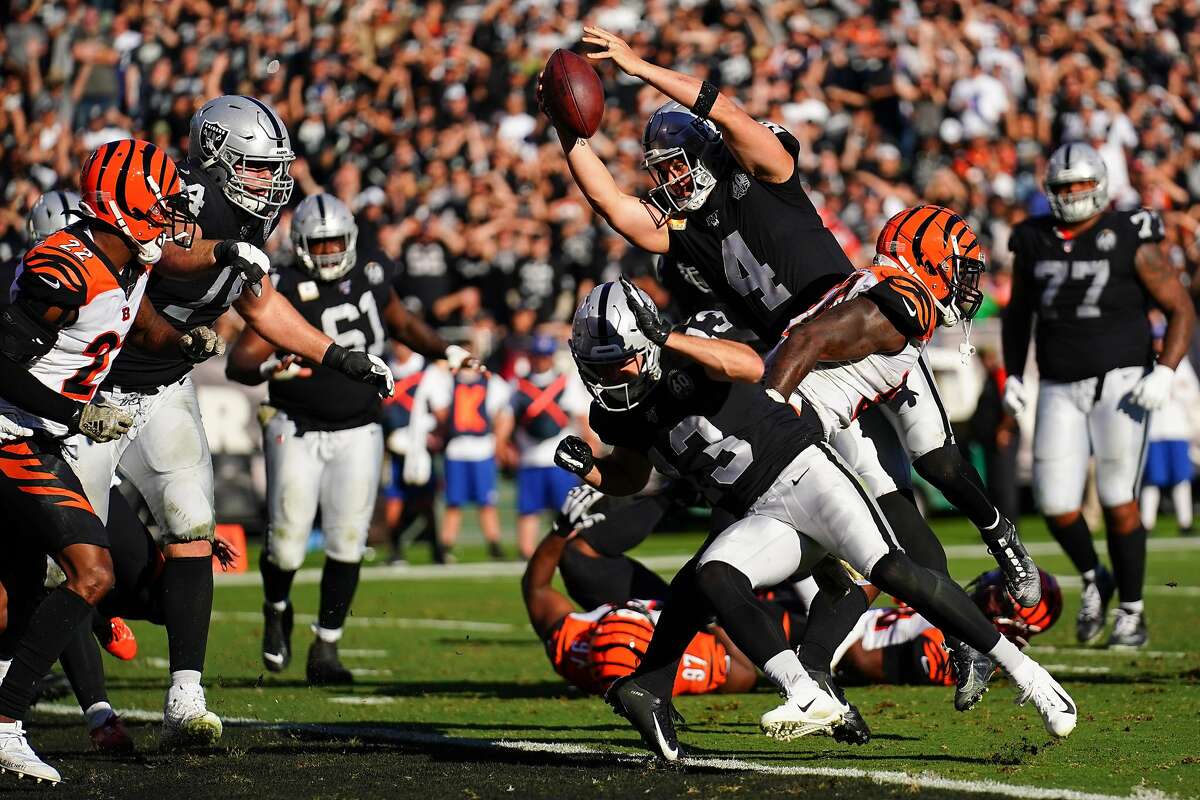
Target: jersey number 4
{"points": [[746, 275], [82, 385], [717, 445]]}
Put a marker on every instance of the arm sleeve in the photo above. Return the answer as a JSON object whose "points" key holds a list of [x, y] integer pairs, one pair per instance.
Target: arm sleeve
{"points": [[1018, 316], [21, 339], [906, 303]]}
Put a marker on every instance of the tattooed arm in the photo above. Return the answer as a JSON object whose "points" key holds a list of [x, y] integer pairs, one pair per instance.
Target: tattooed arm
{"points": [[1162, 282]]}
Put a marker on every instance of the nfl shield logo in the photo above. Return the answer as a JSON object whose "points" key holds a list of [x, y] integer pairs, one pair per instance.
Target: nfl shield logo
{"points": [[1106, 240], [374, 272]]}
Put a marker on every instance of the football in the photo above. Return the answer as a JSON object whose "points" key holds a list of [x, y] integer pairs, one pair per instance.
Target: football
{"points": [[572, 93]]}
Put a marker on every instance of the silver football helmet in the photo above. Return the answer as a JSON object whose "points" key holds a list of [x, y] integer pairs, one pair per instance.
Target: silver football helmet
{"points": [[318, 217], [52, 212], [604, 337], [674, 132], [244, 145], [1076, 163]]}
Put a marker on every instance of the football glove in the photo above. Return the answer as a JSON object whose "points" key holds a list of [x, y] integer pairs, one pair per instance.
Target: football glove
{"points": [[575, 514], [574, 455], [362, 367], [653, 326], [1016, 397], [103, 423], [246, 259], [418, 467], [10, 430], [1154, 390], [283, 369], [200, 344]]}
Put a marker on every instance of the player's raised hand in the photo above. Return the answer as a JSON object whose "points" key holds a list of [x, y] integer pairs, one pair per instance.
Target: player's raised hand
{"points": [[614, 48], [200, 344], [361, 367], [649, 321], [246, 259], [576, 512], [574, 455]]}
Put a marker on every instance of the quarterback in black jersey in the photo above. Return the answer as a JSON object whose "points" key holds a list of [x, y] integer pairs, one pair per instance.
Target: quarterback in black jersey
{"points": [[321, 434], [1089, 275], [687, 402]]}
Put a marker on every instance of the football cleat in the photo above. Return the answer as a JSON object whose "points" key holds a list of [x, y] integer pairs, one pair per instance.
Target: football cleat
{"points": [[653, 717], [111, 737], [277, 637], [811, 710], [54, 686], [853, 729], [122, 643], [1021, 577], [1129, 630], [972, 671], [324, 667], [1058, 710], [17, 757], [187, 722], [1093, 605]]}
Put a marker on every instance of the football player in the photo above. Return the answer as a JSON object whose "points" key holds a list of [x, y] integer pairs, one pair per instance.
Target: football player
{"points": [[321, 431], [52, 212], [78, 298], [237, 180], [689, 401], [1089, 275]]}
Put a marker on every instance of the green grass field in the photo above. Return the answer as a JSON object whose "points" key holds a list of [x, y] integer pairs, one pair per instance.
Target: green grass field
{"points": [[455, 698]]}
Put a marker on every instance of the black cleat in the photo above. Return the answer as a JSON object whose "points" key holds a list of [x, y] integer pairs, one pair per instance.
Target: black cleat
{"points": [[324, 667], [277, 637], [1021, 577], [972, 671], [653, 717], [1093, 605], [853, 729]]}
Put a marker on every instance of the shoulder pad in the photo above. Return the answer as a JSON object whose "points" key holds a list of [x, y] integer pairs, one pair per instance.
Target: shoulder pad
{"points": [[1147, 224]]}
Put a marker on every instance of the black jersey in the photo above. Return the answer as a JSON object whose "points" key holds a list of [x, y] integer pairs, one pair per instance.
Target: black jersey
{"points": [[349, 311], [760, 247], [188, 303], [731, 439], [1090, 305]]}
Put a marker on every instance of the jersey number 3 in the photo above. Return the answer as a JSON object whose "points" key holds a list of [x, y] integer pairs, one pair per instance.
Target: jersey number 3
{"points": [[717, 445], [82, 385]]}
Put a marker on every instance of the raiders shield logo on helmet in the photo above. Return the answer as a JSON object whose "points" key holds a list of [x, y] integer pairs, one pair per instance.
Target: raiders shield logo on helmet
{"points": [[212, 138]]}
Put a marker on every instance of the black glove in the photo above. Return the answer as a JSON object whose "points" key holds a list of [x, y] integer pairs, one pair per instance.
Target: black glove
{"points": [[574, 455], [360, 366], [655, 328], [250, 261]]}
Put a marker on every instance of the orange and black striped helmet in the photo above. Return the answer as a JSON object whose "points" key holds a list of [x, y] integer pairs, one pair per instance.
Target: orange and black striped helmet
{"points": [[619, 642], [939, 248], [135, 188], [1007, 615]]}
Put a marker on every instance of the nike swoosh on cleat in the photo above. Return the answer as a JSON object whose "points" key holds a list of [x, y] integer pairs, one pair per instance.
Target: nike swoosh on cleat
{"points": [[273, 658], [670, 753], [1070, 707], [804, 709]]}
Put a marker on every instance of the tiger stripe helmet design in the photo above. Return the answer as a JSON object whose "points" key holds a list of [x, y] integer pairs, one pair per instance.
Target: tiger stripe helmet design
{"points": [[988, 592], [618, 643], [136, 190], [938, 247]]}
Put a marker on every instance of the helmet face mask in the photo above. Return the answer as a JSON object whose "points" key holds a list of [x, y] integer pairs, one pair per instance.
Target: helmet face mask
{"points": [[243, 145], [677, 144], [319, 220], [1074, 165], [605, 341]]}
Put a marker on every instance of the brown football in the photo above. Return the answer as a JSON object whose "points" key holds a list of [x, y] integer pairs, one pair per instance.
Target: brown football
{"points": [[572, 93]]}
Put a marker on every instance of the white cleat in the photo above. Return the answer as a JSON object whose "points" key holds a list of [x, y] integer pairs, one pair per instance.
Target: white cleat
{"points": [[17, 757], [187, 722], [1058, 710], [809, 711]]}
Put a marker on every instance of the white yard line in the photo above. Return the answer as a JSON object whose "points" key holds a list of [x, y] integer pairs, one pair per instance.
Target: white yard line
{"points": [[918, 781], [380, 622], [1092, 652]]}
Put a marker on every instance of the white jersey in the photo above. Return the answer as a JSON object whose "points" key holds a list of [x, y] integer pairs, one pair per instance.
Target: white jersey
{"points": [[67, 271]]}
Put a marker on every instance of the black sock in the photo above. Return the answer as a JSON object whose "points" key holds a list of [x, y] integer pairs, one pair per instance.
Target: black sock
{"points": [[913, 532], [339, 579], [277, 583], [958, 480], [187, 594], [101, 628], [680, 621], [1076, 541], [1128, 554], [756, 632], [81, 661], [54, 623], [829, 624]]}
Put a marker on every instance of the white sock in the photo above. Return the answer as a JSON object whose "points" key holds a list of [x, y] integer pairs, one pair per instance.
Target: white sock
{"points": [[1012, 660], [786, 670], [97, 714], [1089, 576], [5, 663], [184, 677], [1181, 496], [1149, 506], [280, 606], [327, 635], [1135, 606]]}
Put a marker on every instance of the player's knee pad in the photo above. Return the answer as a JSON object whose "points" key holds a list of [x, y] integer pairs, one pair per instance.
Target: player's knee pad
{"points": [[723, 585], [347, 544], [1052, 501], [942, 465], [286, 547], [187, 513]]}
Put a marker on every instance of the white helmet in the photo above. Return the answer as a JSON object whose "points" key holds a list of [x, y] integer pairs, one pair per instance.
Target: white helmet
{"points": [[52, 212], [1076, 163], [605, 334], [323, 216], [232, 134], [674, 131]]}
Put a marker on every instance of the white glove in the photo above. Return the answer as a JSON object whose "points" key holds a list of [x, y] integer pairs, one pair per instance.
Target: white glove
{"points": [[575, 514], [456, 356], [283, 369], [1153, 390], [1016, 398], [246, 259], [10, 430], [418, 467]]}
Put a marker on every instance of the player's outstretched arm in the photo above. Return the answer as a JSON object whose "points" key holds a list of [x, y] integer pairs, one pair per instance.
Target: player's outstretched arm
{"points": [[410, 329], [850, 331], [1161, 280], [545, 604], [755, 146], [621, 473], [153, 333]]}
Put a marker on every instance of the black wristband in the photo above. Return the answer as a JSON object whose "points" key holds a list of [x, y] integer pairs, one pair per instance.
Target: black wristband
{"points": [[334, 356], [705, 100]]}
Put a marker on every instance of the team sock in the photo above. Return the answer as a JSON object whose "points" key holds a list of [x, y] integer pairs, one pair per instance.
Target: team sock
{"points": [[1076, 541], [954, 476], [785, 670], [1012, 660], [913, 532], [81, 661], [54, 623], [680, 621], [749, 625], [829, 623], [97, 714], [277, 583], [1127, 551], [339, 579], [187, 594]]}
